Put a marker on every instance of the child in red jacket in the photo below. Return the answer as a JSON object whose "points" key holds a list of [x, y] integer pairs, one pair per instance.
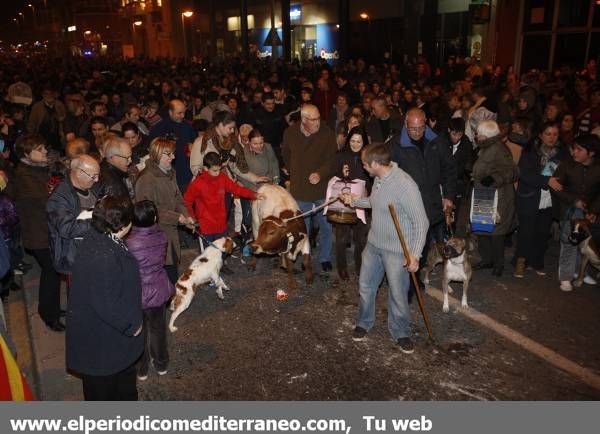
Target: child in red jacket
{"points": [[205, 197]]}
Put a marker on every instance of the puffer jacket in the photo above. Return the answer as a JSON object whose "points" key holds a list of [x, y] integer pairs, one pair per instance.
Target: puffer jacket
{"points": [[149, 247]]}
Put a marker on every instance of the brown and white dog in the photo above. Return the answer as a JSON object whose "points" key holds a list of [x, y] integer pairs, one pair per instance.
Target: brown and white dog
{"points": [[204, 269], [457, 266], [590, 253]]}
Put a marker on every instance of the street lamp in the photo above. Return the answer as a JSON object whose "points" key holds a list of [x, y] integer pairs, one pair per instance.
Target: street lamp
{"points": [[364, 16], [136, 23], [184, 15], [33, 15]]}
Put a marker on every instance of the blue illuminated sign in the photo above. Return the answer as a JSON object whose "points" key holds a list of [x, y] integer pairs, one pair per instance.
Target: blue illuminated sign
{"points": [[295, 12]]}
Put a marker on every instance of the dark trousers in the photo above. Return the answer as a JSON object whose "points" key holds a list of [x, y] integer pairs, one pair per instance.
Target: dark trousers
{"points": [[532, 237], [247, 214], [155, 329], [116, 387], [172, 273], [343, 232], [491, 249], [49, 292]]}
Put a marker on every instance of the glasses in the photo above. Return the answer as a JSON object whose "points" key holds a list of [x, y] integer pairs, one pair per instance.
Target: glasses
{"points": [[128, 158], [416, 129], [169, 154], [93, 177]]}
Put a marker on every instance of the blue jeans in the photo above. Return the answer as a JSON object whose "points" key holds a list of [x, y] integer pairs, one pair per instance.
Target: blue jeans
{"points": [[375, 264], [325, 232]]}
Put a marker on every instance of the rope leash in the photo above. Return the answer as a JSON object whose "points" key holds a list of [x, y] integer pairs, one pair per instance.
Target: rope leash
{"points": [[313, 210], [201, 240]]}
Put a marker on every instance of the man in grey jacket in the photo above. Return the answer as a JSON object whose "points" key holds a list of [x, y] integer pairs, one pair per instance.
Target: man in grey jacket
{"points": [[383, 253]]}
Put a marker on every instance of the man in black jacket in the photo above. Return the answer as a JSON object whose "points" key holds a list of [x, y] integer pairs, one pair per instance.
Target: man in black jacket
{"points": [[270, 121], [464, 157], [69, 211], [383, 124], [428, 160], [113, 169]]}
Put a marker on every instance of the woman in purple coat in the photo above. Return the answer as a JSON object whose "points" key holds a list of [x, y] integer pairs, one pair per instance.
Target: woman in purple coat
{"points": [[148, 244]]}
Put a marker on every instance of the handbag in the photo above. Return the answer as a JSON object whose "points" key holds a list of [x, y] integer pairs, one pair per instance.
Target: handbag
{"points": [[484, 209]]}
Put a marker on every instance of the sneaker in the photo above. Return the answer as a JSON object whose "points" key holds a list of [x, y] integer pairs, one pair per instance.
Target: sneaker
{"points": [[565, 285], [520, 268], [359, 334], [161, 373], [142, 377], [588, 280], [406, 345]]}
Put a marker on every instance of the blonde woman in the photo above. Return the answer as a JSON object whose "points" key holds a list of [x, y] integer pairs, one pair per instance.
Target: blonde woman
{"points": [[157, 182]]}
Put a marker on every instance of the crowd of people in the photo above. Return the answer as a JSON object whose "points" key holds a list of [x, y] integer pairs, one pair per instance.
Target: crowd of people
{"points": [[106, 161]]}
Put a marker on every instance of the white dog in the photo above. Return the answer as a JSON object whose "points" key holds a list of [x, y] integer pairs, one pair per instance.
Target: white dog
{"points": [[205, 268]]}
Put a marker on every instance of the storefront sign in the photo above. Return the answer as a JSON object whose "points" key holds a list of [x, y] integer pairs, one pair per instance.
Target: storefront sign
{"points": [[329, 55], [295, 12]]}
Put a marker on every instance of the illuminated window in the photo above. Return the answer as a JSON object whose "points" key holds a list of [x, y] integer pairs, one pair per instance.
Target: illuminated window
{"points": [[234, 24]]}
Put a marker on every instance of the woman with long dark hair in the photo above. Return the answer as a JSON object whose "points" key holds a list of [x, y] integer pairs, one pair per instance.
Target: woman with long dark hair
{"points": [[348, 166], [536, 206]]}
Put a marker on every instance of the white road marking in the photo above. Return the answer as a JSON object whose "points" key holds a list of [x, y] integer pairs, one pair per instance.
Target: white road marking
{"points": [[552, 357]]}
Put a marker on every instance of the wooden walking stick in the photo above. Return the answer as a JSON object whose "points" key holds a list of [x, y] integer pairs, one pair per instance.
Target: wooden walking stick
{"points": [[407, 255]]}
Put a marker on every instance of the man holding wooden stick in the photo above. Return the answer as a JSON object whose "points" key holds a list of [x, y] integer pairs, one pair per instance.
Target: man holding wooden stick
{"points": [[383, 253]]}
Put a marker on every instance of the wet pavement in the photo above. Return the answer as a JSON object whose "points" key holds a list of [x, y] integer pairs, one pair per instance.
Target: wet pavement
{"points": [[252, 346]]}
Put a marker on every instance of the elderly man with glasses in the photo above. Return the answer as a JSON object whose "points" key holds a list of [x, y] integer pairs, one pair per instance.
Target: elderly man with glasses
{"points": [[69, 211], [308, 152], [114, 176]]}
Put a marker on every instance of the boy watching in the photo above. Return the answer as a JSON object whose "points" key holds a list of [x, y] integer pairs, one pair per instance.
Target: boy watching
{"points": [[205, 197], [577, 185]]}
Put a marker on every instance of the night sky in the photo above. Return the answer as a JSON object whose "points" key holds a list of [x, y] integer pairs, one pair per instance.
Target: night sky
{"points": [[10, 9]]}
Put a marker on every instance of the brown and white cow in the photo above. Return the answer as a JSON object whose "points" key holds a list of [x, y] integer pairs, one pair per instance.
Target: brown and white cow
{"points": [[274, 234]]}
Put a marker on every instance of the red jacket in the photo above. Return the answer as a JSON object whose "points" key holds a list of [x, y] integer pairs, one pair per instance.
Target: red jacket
{"points": [[205, 199]]}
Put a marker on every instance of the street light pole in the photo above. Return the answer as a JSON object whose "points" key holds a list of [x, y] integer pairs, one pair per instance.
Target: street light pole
{"points": [[184, 15], [134, 24]]}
